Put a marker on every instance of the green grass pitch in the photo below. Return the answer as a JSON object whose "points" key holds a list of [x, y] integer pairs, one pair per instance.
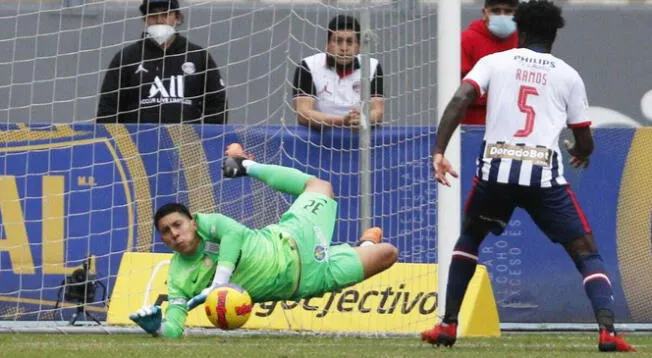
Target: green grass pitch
{"points": [[262, 346]]}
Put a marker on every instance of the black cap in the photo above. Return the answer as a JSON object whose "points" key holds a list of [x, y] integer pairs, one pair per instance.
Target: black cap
{"points": [[147, 5], [501, 2]]}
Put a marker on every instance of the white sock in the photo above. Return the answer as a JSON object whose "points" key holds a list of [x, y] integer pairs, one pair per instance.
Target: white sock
{"points": [[247, 163]]}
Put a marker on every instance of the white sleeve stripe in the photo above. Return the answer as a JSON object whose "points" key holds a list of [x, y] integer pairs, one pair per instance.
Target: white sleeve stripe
{"points": [[465, 254], [596, 276]]}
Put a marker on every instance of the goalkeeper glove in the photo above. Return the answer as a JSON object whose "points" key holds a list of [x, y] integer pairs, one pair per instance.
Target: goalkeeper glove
{"points": [[200, 298], [149, 318]]}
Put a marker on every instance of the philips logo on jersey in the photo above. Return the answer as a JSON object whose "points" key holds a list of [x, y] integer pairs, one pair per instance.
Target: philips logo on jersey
{"points": [[173, 93], [535, 62]]}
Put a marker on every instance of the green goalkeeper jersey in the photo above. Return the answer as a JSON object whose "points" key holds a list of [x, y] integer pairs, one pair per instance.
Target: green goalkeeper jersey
{"points": [[261, 260]]}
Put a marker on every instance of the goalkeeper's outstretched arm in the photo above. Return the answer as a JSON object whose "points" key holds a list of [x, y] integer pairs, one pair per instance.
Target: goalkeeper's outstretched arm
{"points": [[175, 320], [150, 319]]}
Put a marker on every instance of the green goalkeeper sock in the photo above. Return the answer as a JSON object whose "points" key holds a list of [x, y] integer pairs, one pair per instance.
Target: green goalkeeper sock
{"points": [[284, 179]]}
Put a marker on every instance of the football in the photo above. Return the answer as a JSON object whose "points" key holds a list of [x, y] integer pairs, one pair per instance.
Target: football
{"points": [[228, 306]]}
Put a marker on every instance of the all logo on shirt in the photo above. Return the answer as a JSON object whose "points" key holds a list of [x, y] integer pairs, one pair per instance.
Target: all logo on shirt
{"points": [[173, 93]]}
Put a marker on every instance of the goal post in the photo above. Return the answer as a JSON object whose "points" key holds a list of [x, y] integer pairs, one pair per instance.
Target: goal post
{"points": [[448, 198], [365, 127]]}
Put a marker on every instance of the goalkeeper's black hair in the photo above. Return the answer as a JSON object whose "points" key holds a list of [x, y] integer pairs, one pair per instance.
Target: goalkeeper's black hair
{"points": [[170, 208], [344, 23], [539, 20]]}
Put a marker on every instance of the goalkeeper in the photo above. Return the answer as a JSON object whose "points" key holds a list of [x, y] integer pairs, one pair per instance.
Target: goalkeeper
{"points": [[291, 260]]}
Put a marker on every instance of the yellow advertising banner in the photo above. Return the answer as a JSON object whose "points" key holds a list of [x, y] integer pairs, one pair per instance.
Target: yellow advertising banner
{"points": [[402, 299]]}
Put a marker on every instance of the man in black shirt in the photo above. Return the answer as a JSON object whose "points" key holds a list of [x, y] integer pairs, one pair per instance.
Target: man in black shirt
{"points": [[162, 78]]}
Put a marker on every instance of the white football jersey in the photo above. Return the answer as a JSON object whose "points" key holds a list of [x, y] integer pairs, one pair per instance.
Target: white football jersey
{"points": [[532, 96], [335, 94]]}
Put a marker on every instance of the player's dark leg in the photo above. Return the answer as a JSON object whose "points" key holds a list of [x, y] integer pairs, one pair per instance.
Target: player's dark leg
{"points": [[463, 264], [598, 288], [462, 269], [488, 208], [584, 253], [284, 179], [558, 214]]}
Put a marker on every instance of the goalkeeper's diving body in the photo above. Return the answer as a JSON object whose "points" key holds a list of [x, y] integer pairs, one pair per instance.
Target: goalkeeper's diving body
{"points": [[291, 260]]}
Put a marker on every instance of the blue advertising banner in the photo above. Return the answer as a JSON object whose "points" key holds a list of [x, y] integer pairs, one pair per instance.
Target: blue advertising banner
{"points": [[69, 192]]}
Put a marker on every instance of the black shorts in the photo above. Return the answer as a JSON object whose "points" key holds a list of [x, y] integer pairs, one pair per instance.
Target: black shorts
{"points": [[554, 210]]}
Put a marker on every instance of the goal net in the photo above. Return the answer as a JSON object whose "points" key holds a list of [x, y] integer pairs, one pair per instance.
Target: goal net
{"points": [[77, 199]]}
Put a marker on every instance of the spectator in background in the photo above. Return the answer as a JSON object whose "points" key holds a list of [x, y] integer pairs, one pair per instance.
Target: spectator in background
{"points": [[162, 78], [494, 32], [327, 85]]}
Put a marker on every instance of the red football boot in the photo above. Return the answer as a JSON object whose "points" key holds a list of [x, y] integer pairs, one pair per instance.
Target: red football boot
{"points": [[441, 334], [611, 342]]}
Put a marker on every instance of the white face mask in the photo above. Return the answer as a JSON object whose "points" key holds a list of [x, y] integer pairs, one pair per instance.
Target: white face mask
{"points": [[160, 33], [502, 25]]}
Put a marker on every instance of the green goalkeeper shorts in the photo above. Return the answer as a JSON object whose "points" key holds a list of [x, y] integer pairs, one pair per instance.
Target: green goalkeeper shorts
{"points": [[324, 268]]}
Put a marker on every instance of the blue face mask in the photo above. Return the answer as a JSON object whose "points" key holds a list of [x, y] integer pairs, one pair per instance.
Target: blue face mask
{"points": [[501, 25]]}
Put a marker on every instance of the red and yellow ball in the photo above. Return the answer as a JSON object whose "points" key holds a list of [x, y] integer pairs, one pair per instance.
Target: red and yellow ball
{"points": [[228, 306]]}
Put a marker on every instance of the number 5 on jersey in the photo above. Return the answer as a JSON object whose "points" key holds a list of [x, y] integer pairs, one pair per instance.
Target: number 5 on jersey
{"points": [[523, 93]]}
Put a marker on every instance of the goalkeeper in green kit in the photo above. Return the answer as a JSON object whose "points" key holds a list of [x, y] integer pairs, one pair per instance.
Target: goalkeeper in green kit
{"points": [[291, 260]]}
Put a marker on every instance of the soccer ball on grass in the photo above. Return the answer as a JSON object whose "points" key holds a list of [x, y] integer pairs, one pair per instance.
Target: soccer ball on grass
{"points": [[228, 306]]}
